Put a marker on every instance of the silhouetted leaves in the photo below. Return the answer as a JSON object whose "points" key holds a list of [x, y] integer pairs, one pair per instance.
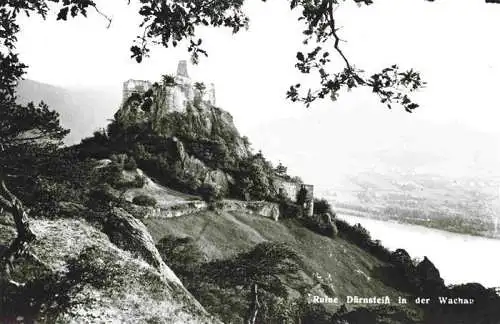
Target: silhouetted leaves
{"points": [[20, 124], [63, 14], [170, 23]]}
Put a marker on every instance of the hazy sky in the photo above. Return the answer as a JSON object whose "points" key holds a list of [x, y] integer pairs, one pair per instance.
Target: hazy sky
{"points": [[454, 43]]}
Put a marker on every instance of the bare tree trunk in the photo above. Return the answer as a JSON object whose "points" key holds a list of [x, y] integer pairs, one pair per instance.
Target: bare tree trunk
{"points": [[254, 308], [18, 247]]}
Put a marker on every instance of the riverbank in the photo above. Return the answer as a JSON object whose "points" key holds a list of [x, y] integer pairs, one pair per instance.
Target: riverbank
{"points": [[460, 258]]}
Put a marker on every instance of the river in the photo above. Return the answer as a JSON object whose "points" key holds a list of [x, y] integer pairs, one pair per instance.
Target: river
{"points": [[459, 258]]}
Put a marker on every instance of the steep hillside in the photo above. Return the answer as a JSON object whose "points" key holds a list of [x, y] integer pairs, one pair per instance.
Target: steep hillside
{"points": [[331, 267], [87, 273]]}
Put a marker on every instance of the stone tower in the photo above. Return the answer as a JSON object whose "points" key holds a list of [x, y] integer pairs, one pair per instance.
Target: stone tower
{"points": [[211, 94], [182, 69]]}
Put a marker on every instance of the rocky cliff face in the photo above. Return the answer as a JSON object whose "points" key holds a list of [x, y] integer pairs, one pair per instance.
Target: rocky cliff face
{"points": [[199, 170], [192, 118], [89, 274]]}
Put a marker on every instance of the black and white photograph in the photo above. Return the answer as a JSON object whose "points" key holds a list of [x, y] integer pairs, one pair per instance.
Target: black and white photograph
{"points": [[249, 162]]}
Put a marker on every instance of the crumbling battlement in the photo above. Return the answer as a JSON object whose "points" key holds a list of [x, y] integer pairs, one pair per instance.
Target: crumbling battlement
{"points": [[178, 94], [134, 86]]}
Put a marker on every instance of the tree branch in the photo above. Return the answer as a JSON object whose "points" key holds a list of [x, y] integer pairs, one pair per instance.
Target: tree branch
{"points": [[331, 21], [254, 308], [34, 138], [110, 20], [19, 247]]}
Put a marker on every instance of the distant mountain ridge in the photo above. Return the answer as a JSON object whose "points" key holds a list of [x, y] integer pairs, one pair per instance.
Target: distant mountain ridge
{"points": [[83, 110]]}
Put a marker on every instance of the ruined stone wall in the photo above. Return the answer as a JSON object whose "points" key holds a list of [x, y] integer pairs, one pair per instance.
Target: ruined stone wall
{"points": [[175, 97], [134, 86], [286, 188], [290, 189], [258, 208]]}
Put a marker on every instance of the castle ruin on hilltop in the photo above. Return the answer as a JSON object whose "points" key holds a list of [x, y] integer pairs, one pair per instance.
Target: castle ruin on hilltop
{"points": [[178, 93]]}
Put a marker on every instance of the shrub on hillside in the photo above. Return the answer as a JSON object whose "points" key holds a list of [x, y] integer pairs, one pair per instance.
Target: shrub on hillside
{"points": [[144, 200], [138, 182], [130, 164], [360, 236], [47, 195], [209, 193], [253, 179], [322, 224], [45, 176], [180, 253], [432, 283], [102, 198], [223, 286], [110, 174], [301, 197], [315, 313], [357, 233], [322, 206], [119, 159], [378, 250]]}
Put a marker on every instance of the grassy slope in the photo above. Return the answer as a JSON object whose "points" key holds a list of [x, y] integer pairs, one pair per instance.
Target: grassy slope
{"points": [[221, 234]]}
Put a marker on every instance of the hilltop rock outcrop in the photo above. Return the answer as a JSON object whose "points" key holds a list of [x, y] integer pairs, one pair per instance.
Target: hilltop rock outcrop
{"points": [[173, 131], [177, 99], [200, 139]]}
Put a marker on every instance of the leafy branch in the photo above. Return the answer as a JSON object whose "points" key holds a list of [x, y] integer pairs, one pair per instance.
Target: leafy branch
{"points": [[391, 85]]}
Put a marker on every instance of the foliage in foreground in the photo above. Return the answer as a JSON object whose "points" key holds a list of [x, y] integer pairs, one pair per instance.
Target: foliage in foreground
{"points": [[223, 286]]}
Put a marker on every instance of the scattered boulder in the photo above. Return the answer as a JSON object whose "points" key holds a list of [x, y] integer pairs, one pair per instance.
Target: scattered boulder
{"points": [[429, 275], [401, 258], [130, 234], [323, 224], [405, 271], [265, 209]]}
